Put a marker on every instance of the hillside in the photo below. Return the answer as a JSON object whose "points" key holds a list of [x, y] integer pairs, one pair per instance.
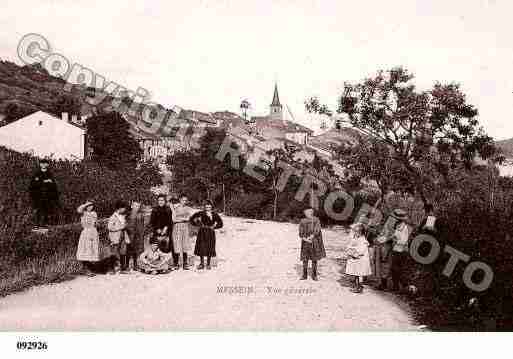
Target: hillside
{"points": [[335, 138], [27, 89], [506, 146]]}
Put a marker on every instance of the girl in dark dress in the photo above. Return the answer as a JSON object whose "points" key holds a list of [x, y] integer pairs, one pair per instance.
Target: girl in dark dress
{"points": [[312, 245], [207, 221]]}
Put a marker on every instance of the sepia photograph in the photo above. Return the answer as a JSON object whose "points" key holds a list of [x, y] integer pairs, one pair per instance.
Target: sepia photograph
{"points": [[268, 166]]}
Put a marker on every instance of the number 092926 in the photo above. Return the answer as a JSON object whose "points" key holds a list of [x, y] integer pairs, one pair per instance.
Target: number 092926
{"points": [[21, 345]]}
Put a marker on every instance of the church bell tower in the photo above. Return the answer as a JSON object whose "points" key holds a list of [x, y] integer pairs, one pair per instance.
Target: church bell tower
{"points": [[276, 113]]}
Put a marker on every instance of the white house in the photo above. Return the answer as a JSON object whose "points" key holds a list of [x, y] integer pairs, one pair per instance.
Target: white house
{"points": [[45, 135]]}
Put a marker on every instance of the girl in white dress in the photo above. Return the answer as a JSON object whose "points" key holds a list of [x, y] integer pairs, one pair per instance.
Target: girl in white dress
{"points": [[358, 262], [88, 250]]}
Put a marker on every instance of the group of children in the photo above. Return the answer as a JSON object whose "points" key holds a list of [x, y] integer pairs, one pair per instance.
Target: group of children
{"points": [[360, 263], [169, 237], [170, 240], [312, 249]]}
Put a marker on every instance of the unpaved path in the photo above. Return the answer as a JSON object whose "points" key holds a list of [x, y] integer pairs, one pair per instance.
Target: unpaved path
{"points": [[259, 255]]}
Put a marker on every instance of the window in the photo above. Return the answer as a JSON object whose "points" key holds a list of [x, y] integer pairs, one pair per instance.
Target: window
{"points": [[40, 123]]}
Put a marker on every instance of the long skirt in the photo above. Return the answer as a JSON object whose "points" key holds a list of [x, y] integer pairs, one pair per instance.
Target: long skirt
{"points": [[88, 249], [381, 260], [181, 238], [312, 251], [359, 266], [205, 243]]}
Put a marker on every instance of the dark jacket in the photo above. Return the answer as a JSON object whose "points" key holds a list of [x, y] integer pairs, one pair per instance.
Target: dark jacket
{"points": [[43, 188], [136, 228], [161, 217], [201, 219]]}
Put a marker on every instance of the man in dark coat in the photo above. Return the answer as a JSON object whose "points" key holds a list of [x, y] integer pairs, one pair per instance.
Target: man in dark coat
{"points": [[161, 222], [435, 227], [44, 194]]}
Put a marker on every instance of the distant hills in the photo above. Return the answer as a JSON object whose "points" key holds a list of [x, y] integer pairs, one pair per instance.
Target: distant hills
{"points": [[336, 137], [506, 146]]}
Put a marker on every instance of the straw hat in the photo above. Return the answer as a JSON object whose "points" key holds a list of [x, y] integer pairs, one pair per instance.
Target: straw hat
{"points": [[399, 214], [87, 204]]}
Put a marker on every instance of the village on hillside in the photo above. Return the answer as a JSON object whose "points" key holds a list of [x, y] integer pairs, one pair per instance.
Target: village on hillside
{"points": [[347, 193], [45, 133], [50, 122]]}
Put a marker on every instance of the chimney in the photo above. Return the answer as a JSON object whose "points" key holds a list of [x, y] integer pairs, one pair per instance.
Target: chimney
{"points": [[65, 117], [74, 118]]}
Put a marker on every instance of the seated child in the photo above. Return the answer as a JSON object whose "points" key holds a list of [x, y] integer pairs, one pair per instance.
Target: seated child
{"points": [[153, 261]]}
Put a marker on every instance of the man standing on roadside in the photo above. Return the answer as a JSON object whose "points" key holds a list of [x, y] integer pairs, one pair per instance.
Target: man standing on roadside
{"points": [[44, 194]]}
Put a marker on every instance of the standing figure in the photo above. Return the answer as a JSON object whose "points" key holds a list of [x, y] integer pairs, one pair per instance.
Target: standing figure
{"points": [[171, 201], [358, 262], [208, 221], [152, 260], [44, 194], [398, 238], [136, 230], [312, 246], [118, 236], [181, 239], [161, 222], [435, 228], [88, 249], [382, 257]]}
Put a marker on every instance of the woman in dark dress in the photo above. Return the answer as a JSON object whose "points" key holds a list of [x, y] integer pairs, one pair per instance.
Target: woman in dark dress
{"points": [[161, 222], [207, 221]]}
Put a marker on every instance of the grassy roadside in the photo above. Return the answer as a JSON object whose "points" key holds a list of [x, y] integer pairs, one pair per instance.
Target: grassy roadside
{"points": [[39, 259]]}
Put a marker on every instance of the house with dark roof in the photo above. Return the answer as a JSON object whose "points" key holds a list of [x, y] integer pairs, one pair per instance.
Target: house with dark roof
{"points": [[280, 123]]}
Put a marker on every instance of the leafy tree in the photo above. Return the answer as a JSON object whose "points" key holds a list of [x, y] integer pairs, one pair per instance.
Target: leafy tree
{"points": [[110, 141], [274, 170], [66, 103], [373, 160], [429, 133], [201, 175], [15, 111]]}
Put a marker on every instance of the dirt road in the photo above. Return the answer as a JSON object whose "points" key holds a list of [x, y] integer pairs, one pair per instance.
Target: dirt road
{"points": [[254, 287]]}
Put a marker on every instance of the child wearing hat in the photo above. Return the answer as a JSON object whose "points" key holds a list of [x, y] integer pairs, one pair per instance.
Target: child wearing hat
{"points": [[88, 250], [358, 262], [400, 251], [398, 236]]}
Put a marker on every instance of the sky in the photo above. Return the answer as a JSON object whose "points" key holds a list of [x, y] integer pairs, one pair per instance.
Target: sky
{"points": [[208, 55]]}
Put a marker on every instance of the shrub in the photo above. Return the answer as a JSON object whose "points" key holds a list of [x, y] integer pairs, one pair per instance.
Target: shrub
{"points": [[249, 205], [77, 182], [37, 258], [29, 258], [476, 219]]}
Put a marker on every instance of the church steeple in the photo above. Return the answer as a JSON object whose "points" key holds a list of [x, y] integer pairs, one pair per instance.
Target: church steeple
{"points": [[276, 107], [276, 98]]}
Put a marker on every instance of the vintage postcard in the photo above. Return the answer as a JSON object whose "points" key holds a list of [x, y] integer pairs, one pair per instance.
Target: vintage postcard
{"points": [[255, 166]]}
